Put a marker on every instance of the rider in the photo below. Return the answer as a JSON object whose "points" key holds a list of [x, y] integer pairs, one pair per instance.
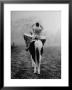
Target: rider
{"points": [[37, 28]]}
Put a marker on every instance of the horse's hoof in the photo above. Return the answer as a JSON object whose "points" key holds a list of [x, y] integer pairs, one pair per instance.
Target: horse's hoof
{"points": [[34, 71], [39, 73]]}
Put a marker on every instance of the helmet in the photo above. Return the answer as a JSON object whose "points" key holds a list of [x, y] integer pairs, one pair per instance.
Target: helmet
{"points": [[37, 24], [37, 28]]}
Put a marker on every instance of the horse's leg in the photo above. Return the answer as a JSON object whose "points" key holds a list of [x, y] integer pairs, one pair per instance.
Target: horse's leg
{"points": [[34, 68], [39, 65], [32, 62]]}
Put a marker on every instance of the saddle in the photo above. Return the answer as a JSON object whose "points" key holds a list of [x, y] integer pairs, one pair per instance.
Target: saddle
{"points": [[29, 38]]}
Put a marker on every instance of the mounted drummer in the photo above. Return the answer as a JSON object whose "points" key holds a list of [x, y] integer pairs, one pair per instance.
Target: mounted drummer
{"points": [[34, 44], [35, 34]]}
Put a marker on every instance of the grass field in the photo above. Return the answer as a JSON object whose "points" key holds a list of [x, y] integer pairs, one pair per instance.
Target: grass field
{"points": [[21, 67]]}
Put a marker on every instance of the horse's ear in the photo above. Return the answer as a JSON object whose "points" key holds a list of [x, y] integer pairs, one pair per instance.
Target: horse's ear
{"points": [[43, 41]]}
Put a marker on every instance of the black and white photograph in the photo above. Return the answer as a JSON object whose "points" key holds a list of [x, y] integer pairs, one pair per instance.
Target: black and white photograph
{"points": [[35, 41], [35, 45]]}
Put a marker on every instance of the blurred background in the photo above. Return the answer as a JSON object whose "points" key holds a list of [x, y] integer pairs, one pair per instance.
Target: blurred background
{"points": [[22, 21]]}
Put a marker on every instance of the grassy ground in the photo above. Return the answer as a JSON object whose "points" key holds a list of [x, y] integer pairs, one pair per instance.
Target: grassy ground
{"points": [[21, 67]]}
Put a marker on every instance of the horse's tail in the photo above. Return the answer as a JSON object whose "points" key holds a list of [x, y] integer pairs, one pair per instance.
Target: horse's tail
{"points": [[38, 46], [37, 56]]}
